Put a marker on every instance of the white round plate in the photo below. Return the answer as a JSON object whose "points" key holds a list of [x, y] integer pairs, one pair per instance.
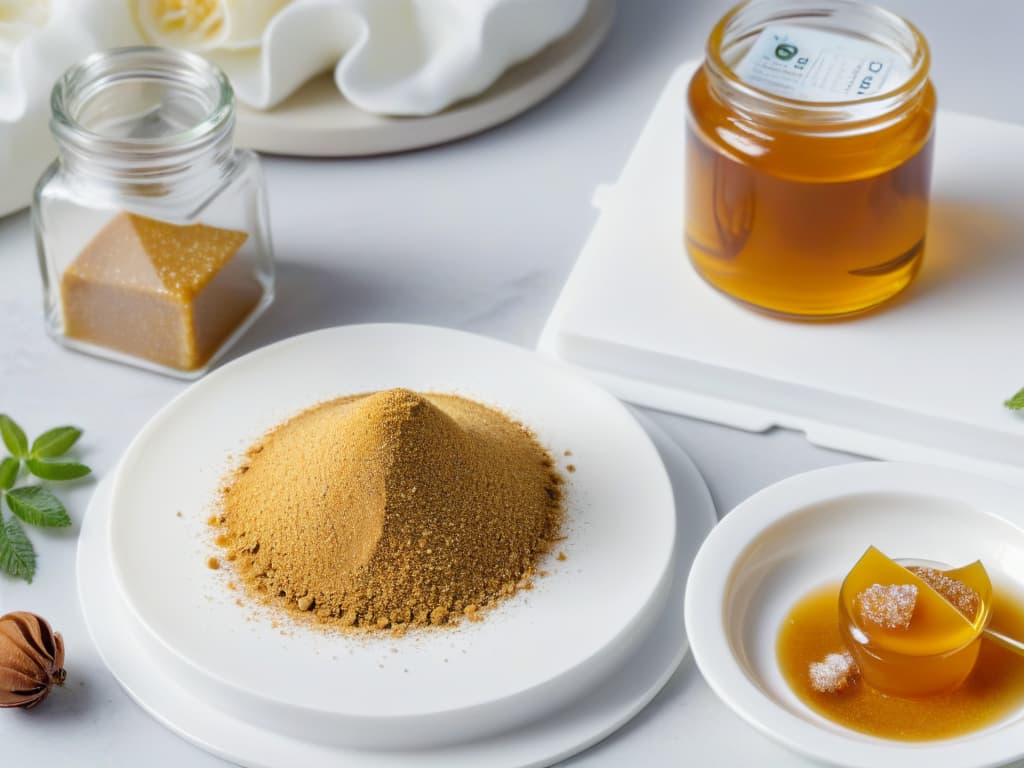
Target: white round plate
{"points": [[809, 530], [532, 655], [609, 705], [317, 121]]}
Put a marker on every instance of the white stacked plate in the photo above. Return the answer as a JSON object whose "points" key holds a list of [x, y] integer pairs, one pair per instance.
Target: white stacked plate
{"points": [[546, 674]]}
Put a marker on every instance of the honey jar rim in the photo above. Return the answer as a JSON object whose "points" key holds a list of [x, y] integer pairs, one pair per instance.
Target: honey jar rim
{"points": [[811, 113]]}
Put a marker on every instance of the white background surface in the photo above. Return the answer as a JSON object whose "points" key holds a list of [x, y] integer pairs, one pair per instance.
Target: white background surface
{"points": [[477, 235]]}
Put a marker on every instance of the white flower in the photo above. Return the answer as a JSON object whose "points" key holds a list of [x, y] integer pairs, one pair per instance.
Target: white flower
{"points": [[204, 25]]}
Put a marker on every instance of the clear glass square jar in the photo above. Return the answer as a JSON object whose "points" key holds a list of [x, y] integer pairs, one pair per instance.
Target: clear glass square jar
{"points": [[800, 201], [151, 228]]}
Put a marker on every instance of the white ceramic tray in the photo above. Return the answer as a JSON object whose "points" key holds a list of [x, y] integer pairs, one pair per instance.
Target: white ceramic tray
{"points": [[430, 691], [317, 121], [808, 530], [922, 380]]}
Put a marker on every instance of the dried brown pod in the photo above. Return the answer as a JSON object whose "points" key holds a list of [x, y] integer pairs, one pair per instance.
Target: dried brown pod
{"points": [[31, 659]]}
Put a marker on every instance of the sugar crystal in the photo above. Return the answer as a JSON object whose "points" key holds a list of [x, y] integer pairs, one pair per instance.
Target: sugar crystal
{"points": [[888, 605], [961, 596], [834, 674]]}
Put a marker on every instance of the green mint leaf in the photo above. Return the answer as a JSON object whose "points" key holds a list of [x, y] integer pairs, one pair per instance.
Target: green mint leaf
{"points": [[57, 470], [55, 442], [17, 557], [13, 437], [9, 467], [1016, 403], [37, 506]]}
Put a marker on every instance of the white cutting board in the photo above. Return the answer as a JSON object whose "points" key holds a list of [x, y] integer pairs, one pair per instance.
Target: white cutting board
{"points": [[922, 380]]}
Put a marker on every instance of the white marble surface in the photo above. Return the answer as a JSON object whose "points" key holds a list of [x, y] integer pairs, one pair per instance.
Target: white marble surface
{"points": [[478, 235]]}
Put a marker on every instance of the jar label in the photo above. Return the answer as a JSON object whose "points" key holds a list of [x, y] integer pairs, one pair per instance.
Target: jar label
{"points": [[814, 65]]}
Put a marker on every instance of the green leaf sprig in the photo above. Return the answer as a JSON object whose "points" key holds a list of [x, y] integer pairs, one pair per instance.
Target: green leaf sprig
{"points": [[1016, 403], [32, 504]]}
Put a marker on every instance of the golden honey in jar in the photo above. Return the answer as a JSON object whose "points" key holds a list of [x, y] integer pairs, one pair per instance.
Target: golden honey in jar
{"points": [[808, 156]]}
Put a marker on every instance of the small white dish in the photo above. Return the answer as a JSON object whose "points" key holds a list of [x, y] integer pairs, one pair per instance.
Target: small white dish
{"points": [[809, 530], [550, 739], [316, 121], [531, 656]]}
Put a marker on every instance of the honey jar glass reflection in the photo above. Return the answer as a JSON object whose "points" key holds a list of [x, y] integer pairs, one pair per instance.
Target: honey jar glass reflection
{"points": [[808, 157]]}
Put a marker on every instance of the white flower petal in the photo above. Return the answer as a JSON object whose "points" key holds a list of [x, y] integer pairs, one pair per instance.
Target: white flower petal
{"points": [[397, 57]]}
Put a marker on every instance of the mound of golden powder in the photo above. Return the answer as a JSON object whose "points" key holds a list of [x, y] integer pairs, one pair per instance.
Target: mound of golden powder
{"points": [[391, 509]]}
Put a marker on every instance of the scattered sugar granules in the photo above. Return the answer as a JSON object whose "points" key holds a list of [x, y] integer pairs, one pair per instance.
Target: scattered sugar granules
{"points": [[964, 598], [889, 605], [836, 673]]}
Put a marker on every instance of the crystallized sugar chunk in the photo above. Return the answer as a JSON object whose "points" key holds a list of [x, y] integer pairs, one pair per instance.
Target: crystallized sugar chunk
{"points": [[836, 673], [888, 605], [963, 597]]}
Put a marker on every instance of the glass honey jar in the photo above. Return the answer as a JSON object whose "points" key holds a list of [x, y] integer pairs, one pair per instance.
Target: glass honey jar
{"points": [[808, 156], [151, 227]]}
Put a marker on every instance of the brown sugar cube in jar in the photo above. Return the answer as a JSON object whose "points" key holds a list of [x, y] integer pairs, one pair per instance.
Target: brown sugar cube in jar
{"points": [[152, 229], [167, 293]]}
